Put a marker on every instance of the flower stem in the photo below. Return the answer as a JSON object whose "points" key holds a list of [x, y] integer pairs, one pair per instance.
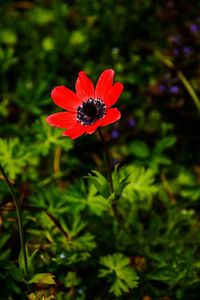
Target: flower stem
{"points": [[107, 158], [118, 216], [115, 210], [19, 219]]}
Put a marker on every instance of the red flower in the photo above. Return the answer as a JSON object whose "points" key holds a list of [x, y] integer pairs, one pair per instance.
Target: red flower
{"points": [[88, 108]]}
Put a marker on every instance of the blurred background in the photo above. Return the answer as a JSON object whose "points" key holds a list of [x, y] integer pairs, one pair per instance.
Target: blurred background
{"points": [[154, 48]]}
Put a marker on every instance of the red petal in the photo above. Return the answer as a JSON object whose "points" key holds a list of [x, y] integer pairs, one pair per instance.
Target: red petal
{"points": [[113, 94], [112, 115], [65, 98], [61, 119], [84, 86], [92, 128], [104, 84], [75, 130]]}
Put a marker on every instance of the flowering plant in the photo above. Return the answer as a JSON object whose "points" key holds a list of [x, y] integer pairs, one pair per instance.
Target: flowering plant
{"points": [[66, 230], [88, 108]]}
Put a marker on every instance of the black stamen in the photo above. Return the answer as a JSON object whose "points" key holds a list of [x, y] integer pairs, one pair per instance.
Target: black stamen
{"points": [[90, 111]]}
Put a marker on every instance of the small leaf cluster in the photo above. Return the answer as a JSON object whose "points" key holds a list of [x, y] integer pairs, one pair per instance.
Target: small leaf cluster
{"points": [[119, 272]]}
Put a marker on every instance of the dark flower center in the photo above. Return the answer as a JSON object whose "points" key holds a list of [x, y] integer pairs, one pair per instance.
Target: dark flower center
{"points": [[90, 111]]}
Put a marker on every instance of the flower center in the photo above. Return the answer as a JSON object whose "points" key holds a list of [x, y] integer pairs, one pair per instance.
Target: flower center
{"points": [[90, 111]]}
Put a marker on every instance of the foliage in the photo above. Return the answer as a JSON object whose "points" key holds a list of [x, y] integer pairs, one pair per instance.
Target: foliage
{"points": [[118, 266], [141, 183], [76, 247], [14, 156]]}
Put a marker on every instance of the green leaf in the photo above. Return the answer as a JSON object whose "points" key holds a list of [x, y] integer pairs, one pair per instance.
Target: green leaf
{"points": [[72, 279], [139, 149], [192, 193], [42, 16], [43, 278], [79, 240], [118, 271], [164, 143], [84, 242], [14, 156], [100, 183], [189, 183], [49, 137], [4, 254], [30, 259], [81, 195], [141, 183], [21, 259], [16, 273], [163, 275], [78, 38], [119, 184], [96, 203]]}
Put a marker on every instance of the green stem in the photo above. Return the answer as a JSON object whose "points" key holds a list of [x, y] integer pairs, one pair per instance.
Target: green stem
{"points": [[19, 219], [107, 158], [189, 89], [116, 212]]}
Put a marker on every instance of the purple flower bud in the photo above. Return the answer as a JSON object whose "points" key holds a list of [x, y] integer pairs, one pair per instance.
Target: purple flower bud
{"points": [[187, 50], [194, 28], [131, 123], [174, 89], [115, 134], [162, 87]]}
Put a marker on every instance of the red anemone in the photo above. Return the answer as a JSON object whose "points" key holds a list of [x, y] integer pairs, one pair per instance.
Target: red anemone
{"points": [[88, 108]]}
